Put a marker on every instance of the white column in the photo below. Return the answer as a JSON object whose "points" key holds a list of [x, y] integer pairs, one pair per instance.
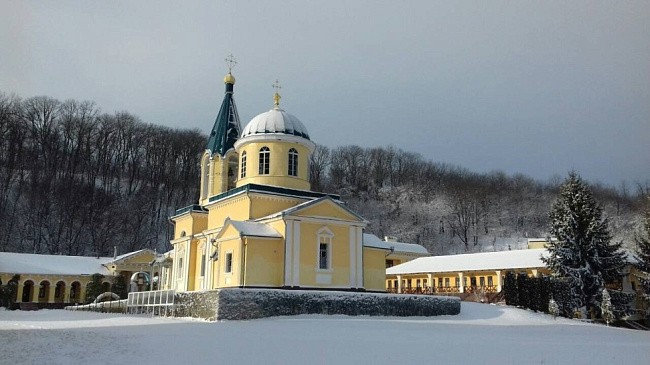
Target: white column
{"points": [[204, 261], [399, 283], [461, 289], [498, 281], [296, 253], [353, 256], [534, 271], [430, 282], [288, 254], [359, 248]]}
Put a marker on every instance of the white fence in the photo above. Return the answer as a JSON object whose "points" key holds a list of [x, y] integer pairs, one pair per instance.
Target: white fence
{"points": [[158, 302]]}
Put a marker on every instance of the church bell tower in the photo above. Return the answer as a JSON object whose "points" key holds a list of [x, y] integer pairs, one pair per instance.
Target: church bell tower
{"points": [[219, 163]]}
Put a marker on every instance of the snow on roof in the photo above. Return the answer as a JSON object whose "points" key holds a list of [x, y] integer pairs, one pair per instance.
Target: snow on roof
{"points": [[275, 120], [131, 254], [373, 241], [25, 263], [255, 229], [518, 259]]}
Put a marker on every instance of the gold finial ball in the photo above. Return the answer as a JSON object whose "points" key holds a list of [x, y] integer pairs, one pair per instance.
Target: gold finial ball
{"points": [[229, 79]]}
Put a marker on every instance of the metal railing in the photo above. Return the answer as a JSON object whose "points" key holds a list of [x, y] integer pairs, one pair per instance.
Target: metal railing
{"points": [[158, 302]]}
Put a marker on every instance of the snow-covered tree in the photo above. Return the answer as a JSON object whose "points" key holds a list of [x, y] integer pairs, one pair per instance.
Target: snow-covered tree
{"points": [[553, 308], [606, 307], [643, 256], [582, 252]]}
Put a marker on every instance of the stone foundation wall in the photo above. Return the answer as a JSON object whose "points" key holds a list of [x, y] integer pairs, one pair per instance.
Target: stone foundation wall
{"points": [[238, 304]]}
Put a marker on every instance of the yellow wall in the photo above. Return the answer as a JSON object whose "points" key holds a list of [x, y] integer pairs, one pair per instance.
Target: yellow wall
{"points": [[326, 209], [191, 223], [234, 278], [374, 269], [278, 169], [49, 297], [264, 205], [340, 256], [264, 262], [236, 207]]}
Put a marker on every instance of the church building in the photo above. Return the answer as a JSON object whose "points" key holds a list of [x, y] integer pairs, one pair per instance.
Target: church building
{"points": [[257, 222]]}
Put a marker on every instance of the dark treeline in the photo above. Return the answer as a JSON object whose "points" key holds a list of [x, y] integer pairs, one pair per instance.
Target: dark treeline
{"points": [[449, 209], [75, 181]]}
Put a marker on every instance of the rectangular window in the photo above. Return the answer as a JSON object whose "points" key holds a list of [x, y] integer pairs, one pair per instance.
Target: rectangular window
{"points": [[389, 263], [293, 162], [417, 283], [180, 268], [481, 281], [440, 282], [265, 161], [447, 282], [457, 282], [203, 265], [490, 283], [228, 263], [323, 253], [242, 170]]}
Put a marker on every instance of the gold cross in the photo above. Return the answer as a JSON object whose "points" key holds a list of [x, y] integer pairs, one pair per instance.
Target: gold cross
{"points": [[231, 61], [276, 96], [276, 86]]}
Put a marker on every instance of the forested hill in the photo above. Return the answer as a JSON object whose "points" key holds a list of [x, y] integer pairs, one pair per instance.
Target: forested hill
{"points": [[76, 181]]}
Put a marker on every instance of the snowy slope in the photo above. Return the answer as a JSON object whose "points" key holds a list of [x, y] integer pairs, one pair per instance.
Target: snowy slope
{"points": [[483, 334]]}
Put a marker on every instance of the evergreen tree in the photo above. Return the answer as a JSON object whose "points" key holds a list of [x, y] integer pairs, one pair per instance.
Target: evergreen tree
{"points": [[582, 253], [9, 292], [544, 294], [643, 256], [94, 288], [606, 307], [560, 292], [523, 290], [534, 285], [510, 289], [120, 286]]}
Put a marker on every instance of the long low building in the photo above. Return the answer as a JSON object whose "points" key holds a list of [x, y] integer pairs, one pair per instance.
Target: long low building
{"points": [[463, 273], [59, 280]]}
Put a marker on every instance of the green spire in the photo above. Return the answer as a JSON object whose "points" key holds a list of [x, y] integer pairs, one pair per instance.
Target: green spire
{"points": [[227, 127]]}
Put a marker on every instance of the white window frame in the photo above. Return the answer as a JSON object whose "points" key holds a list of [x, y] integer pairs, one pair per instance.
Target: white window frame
{"points": [[324, 236], [225, 262], [242, 173], [179, 275], [292, 163], [203, 262], [264, 161]]}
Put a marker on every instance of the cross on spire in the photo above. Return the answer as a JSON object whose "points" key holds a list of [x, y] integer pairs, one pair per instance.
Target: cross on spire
{"points": [[231, 61], [276, 96]]}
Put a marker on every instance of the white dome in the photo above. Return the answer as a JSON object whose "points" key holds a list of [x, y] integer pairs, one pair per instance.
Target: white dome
{"points": [[275, 121]]}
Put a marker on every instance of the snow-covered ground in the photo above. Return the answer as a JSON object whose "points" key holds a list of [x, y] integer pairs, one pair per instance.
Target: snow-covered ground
{"points": [[481, 334]]}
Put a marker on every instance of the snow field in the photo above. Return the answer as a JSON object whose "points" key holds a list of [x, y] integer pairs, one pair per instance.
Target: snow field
{"points": [[484, 334]]}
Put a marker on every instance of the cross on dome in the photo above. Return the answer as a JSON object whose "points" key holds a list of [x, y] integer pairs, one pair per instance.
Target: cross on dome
{"points": [[231, 61], [276, 96]]}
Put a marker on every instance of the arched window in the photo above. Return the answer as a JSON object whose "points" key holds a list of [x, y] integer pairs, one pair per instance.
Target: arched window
{"points": [[265, 160], [293, 162], [242, 169]]}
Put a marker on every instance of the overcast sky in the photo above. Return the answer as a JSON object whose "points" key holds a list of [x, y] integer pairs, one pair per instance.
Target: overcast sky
{"points": [[538, 88]]}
